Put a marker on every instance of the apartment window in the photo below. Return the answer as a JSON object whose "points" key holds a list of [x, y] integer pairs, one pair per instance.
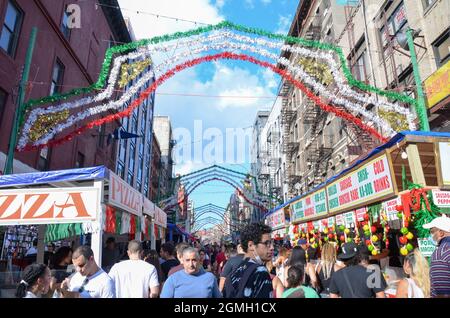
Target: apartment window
{"points": [[131, 159], [360, 67], [80, 160], [427, 4], [65, 29], [3, 99], [130, 177], [134, 124], [11, 28], [57, 78], [441, 48], [120, 169], [395, 23]]}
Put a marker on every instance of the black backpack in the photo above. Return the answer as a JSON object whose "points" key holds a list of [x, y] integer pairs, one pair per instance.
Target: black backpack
{"points": [[229, 290]]}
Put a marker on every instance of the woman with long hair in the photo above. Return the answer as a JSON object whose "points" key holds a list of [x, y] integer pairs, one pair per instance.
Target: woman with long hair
{"points": [[417, 284], [35, 282], [326, 268], [298, 258], [152, 257]]}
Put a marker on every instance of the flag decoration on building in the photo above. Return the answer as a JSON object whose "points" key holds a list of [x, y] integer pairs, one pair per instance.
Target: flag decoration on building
{"points": [[52, 120]]}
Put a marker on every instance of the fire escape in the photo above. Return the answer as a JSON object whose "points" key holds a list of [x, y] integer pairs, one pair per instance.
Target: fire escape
{"points": [[290, 142], [273, 162]]}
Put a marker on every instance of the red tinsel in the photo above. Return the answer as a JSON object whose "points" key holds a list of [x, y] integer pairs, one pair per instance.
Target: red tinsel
{"points": [[411, 200], [209, 58], [110, 220]]}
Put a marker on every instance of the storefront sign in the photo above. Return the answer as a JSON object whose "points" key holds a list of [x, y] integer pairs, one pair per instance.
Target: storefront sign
{"points": [[149, 207], [444, 164], [441, 198], [316, 225], [123, 196], [312, 205], [426, 246], [360, 214], [349, 219], [276, 220], [436, 86], [331, 221], [47, 206], [391, 208], [369, 182], [340, 219], [160, 217]]}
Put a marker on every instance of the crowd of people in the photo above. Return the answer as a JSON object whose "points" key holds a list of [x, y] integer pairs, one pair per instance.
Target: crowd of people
{"points": [[254, 268]]}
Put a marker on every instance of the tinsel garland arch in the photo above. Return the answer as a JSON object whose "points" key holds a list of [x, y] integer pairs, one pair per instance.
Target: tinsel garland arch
{"points": [[284, 43], [225, 55]]}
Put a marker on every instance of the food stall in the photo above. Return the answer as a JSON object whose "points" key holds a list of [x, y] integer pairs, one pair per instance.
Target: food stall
{"points": [[381, 200], [85, 204]]}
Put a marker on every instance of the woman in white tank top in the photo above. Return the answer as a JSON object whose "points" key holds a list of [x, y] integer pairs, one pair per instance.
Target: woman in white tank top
{"points": [[417, 285]]}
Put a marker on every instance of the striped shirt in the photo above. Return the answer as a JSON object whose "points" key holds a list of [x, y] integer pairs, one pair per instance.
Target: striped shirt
{"points": [[440, 269]]}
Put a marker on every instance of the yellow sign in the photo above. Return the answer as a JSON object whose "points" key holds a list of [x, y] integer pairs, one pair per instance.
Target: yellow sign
{"points": [[437, 86]]}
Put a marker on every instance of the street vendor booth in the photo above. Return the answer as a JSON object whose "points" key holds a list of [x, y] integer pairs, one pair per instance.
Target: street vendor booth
{"points": [[381, 200], [82, 205], [279, 222]]}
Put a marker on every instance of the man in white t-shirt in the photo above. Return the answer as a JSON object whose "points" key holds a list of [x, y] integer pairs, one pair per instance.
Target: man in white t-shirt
{"points": [[135, 278], [90, 281]]}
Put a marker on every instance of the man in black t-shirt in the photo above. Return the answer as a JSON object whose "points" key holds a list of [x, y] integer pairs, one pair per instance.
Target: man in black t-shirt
{"points": [[251, 278], [167, 253], [235, 259], [355, 280]]}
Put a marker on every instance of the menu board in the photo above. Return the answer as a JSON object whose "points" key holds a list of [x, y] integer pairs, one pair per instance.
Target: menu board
{"points": [[312, 205], [390, 207], [276, 220], [370, 182]]}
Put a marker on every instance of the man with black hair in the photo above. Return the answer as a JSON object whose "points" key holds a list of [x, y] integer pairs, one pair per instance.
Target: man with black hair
{"points": [[167, 253], [355, 280], [90, 281], [251, 278]]}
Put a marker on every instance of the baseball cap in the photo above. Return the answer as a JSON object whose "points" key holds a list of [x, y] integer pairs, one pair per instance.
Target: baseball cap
{"points": [[442, 223], [349, 250], [301, 242]]}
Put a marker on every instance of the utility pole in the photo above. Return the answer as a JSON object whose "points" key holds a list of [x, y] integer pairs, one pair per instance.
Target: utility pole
{"points": [[421, 109], [20, 103]]}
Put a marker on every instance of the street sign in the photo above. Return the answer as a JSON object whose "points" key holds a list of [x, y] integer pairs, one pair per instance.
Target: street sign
{"points": [[426, 246]]}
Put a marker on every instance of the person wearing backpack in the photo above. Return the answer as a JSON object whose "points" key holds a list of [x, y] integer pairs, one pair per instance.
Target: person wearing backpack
{"points": [[251, 278]]}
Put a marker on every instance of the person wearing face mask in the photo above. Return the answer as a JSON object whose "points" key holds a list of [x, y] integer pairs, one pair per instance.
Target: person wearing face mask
{"points": [[251, 278], [440, 260]]}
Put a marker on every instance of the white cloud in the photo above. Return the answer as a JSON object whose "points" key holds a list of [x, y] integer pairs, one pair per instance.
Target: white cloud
{"points": [[284, 23], [266, 2], [220, 3], [147, 26], [227, 81], [188, 167]]}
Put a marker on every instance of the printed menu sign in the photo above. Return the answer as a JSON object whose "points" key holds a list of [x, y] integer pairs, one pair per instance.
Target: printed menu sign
{"points": [[312, 205], [371, 181]]}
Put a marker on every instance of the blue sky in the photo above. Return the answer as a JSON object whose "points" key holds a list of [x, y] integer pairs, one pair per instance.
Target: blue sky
{"points": [[223, 78]]}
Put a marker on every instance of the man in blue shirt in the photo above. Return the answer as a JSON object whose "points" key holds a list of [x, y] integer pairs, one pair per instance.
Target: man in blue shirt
{"points": [[193, 281]]}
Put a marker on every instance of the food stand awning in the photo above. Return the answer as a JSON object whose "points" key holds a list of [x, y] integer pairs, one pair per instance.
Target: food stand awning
{"points": [[421, 166]]}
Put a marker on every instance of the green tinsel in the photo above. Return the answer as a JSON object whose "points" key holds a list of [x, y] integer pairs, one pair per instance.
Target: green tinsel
{"points": [[121, 49], [423, 216], [118, 222], [374, 212]]}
